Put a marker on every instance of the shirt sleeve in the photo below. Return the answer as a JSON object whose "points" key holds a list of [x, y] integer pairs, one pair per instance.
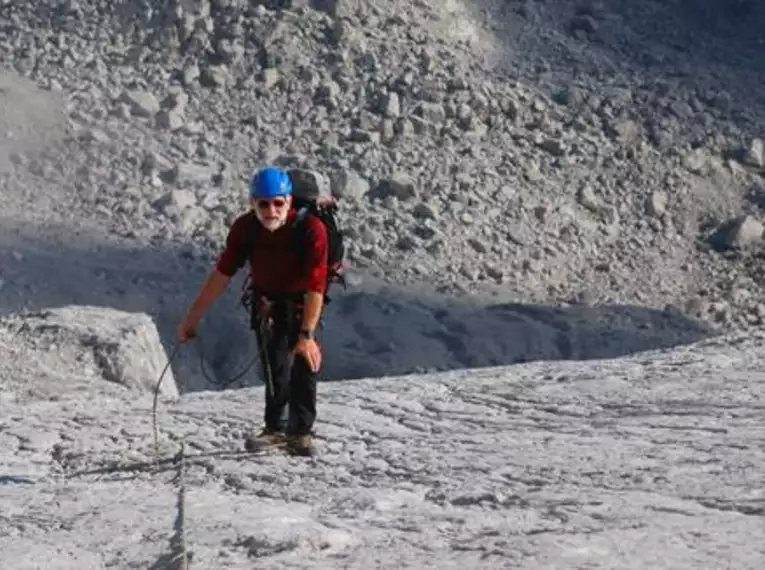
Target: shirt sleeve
{"points": [[234, 254], [316, 260]]}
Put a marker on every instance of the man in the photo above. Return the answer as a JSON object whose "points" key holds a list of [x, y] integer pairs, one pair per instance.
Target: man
{"points": [[289, 288]]}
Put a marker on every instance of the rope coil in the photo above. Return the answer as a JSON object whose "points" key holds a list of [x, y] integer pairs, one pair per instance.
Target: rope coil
{"points": [[262, 355]]}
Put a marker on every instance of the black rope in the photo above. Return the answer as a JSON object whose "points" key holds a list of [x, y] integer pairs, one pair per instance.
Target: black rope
{"points": [[217, 383]]}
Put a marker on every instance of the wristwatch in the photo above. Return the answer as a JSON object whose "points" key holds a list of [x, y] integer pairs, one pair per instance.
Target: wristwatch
{"points": [[306, 333]]}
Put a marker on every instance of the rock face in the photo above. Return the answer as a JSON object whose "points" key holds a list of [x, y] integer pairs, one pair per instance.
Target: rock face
{"points": [[649, 461], [84, 342], [563, 159]]}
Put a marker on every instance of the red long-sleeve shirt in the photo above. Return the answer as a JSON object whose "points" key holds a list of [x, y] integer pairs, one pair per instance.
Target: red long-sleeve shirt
{"points": [[275, 264]]}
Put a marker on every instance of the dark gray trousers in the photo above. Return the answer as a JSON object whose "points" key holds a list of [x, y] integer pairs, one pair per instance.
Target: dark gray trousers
{"points": [[291, 406]]}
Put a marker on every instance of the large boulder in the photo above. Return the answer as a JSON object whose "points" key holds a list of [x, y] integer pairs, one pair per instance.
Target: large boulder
{"points": [[73, 344]]}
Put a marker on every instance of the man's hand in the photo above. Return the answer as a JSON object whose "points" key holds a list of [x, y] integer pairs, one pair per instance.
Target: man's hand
{"points": [[309, 349], [307, 346], [187, 329]]}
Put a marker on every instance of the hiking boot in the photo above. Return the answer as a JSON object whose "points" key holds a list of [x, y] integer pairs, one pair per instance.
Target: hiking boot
{"points": [[268, 437], [301, 444]]}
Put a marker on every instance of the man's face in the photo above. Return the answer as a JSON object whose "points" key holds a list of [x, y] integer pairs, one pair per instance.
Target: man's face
{"points": [[272, 212]]}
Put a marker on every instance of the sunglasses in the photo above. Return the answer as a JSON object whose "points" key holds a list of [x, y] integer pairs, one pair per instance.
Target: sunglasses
{"points": [[277, 203]]}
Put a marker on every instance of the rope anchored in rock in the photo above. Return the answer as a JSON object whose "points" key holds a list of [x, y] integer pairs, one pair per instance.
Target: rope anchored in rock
{"points": [[180, 556]]}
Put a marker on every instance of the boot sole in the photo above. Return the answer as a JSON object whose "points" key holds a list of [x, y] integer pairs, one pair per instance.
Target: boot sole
{"points": [[254, 446]]}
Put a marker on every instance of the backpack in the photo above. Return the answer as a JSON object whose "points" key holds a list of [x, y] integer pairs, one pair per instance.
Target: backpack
{"points": [[311, 196]]}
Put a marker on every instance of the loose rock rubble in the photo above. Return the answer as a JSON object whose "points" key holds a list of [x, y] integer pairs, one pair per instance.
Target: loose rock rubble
{"points": [[513, 147]]}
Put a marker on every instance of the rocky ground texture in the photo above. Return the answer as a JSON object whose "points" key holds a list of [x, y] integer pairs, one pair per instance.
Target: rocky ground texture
{"points": [[648, 461], [556, 152]]}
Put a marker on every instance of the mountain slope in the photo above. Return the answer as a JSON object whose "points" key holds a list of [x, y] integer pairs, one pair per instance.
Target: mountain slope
{"points": [[539, 149]]}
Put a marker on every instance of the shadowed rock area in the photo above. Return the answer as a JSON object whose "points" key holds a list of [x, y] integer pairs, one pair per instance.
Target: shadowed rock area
{"points": [[371, 329]]}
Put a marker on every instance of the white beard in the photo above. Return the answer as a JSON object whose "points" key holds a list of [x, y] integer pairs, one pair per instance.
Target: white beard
{"points": [[272, 225]]}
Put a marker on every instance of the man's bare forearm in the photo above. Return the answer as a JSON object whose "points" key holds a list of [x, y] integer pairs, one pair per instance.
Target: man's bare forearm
{"points": [[312, 311], [212, 288]]}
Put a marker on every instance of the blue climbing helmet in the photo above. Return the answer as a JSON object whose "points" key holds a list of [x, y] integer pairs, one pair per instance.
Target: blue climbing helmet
{"points": [[270, 182]]}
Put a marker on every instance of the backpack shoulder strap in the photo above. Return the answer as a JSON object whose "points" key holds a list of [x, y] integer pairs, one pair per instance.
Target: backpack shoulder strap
{"points": [[252, 235], [302, 235]]}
